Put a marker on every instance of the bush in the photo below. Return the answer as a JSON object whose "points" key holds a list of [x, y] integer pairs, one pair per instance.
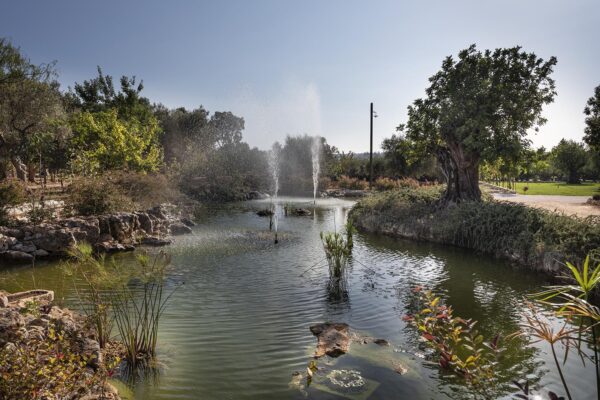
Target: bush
{"points": [[346, 182], [97, 195], [383, 184], [508, 230], [147, 190], [12, 193]]}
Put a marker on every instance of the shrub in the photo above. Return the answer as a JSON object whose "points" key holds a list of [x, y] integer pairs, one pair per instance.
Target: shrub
{"points": [[346, 182], [147, 189], [596, 197], [44, 366], [382, 184], [97, 195], [12, 193], [508, 230]]}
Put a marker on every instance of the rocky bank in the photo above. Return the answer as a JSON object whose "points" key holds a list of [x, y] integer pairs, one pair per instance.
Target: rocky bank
{"points": [[108, 233]]}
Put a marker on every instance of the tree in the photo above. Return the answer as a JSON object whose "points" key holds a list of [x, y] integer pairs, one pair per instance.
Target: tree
{"points": [[31, 110], [479, 108], [102, 141], [182, 129], [592, 122], [570, 157]]}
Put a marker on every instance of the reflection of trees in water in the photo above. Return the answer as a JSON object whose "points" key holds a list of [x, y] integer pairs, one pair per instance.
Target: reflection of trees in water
{"points": [[338, 297]]}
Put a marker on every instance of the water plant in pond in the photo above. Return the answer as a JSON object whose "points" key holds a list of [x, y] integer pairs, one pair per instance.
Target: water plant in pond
{"points": [[337, 252], [131, 298], [457, 345], [572, 300], [137, 312]]}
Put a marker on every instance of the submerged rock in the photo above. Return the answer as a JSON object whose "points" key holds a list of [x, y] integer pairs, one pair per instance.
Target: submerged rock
{"points": [[264, 213], [18, 257], [178, 228], [154, 241], [333, 339]]}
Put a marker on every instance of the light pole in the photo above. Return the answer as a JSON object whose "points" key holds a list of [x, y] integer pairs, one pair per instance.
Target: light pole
{"points": [[373, 114]]}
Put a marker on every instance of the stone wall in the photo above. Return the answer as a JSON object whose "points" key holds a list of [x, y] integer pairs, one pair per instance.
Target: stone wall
{"points": [[107, 233]]}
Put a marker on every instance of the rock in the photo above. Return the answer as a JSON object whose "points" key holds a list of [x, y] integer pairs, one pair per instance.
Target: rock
{"points": [[188, 222], [154, 241], [159, 212], [41, 253], [91, 348], [87, 229], [24, 247], [16, 257], [146, 223], [111, 247], [254, 195], [399, 368], [381, 342], [7, 242], [177, 228], [55, 240], [333, 339], [302, 212], [264, 213]]}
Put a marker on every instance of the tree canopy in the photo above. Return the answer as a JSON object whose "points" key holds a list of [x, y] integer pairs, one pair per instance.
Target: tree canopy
{"points": [[592, 121], [570, 157], [479, 107]]}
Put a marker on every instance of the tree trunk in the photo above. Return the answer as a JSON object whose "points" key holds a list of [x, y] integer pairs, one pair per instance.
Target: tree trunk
{"points": [[31, 173], [20, 169], [573, 178], [462, 175]]}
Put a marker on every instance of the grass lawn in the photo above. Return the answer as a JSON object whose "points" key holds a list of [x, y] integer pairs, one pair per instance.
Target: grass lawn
{"points": [[559, 188]]}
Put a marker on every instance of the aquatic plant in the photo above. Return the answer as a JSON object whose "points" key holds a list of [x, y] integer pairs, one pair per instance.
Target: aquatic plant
{"points": [[457, 345], [572, 300], [137, 312], [132, 298], [337, 252]]}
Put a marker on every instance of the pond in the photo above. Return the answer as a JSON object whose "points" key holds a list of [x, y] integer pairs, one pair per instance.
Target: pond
{"points": [[238, 325]]}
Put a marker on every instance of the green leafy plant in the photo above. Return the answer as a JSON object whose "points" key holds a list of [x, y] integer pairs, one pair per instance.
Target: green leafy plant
{"points": [[457, 345], [337, 252]]}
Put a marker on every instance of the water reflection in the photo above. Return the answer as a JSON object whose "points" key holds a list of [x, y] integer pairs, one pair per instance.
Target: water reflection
{"points": [[239, 326]]}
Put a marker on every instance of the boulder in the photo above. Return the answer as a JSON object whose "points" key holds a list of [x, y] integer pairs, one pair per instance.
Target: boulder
{"points": [[55, 240], [254, 195], [41, 253], [333, 339], [7, 242], [24, 247], [177, 228], [146, 223], [87, 229], [188, 222], [155, 241], [17, 257]]}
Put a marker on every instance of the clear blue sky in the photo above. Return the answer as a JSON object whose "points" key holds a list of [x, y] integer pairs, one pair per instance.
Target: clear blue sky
{"points": [[309, 66]]}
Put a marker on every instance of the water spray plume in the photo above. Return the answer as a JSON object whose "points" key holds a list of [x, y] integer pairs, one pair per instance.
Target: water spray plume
{"points": [[316, 165]]}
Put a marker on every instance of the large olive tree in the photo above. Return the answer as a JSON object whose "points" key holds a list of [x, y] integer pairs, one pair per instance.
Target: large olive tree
{"points": [[479, 107]]}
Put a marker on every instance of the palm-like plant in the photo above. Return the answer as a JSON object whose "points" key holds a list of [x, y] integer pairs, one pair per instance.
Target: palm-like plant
{"points": [[572, 300]]}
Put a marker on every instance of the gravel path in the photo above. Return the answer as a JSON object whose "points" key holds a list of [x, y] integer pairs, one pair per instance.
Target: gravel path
{"points": [[566, 204]]}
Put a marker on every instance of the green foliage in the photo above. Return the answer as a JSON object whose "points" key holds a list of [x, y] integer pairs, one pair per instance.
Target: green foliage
{"points": [[45, 366], [569, 157], [479, 107], [104, 141], [592, 120], [517, 232], [457, 345], [337, 250]]}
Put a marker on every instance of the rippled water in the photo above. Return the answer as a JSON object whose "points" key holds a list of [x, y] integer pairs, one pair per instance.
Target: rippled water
{"points": [[238, 328]]}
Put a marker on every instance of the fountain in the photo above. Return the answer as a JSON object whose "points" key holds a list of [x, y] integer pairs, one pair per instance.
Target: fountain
{"points": [[316, 165], [274, 155]]}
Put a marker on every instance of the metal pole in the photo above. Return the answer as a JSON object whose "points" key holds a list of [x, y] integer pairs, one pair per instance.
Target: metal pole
{"points": [[371, 152]]}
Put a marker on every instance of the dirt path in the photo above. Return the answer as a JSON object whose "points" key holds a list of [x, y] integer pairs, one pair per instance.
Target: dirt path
{"points": [[567, 204]]}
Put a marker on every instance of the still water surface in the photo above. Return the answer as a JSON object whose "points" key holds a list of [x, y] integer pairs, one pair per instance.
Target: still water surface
{"points": [[238, 327]]}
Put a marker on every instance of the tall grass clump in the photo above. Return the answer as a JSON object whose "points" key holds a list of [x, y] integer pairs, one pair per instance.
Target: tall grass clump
{"points": [[130, 298], [137, 310]]}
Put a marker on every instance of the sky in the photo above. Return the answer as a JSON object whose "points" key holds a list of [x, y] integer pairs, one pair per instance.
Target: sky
{"points": [[310, 66]]}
